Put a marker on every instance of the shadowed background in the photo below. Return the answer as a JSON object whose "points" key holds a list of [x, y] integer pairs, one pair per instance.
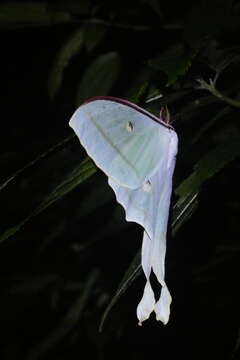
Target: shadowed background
{"points": [[66, 250]]}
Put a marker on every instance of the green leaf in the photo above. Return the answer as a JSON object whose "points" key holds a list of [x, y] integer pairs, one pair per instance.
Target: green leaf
{"points": [[76, 177], [201, 131], [25, 14], [35, 161], [99, 77], [82, 172], [182, 211], [71, 47], [173, 62], [89, 36], [136, 98], [208, 166], [94, 34], [139, 84], [10, 232]]}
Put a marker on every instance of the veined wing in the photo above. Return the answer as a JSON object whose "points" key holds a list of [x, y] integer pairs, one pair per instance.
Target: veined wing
{"points": [[126, 142], [149, 204]]}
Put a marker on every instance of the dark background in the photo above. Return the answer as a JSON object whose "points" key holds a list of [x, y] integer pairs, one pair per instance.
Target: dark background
{"points": [[65, 244]]}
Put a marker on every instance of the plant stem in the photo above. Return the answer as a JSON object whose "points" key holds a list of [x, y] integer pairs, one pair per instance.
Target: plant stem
{"points": [[211, 88]]}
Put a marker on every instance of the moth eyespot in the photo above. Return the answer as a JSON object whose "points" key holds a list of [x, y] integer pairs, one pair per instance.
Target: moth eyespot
{"points": [[147, 187], [129, 126]]}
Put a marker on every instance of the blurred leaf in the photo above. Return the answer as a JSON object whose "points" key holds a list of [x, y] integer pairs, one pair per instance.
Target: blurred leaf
{"points": [[218, 58], [139, 84], [71, 47], [69, 321], [208, 166], [227, 58], [89, 36], [206, 19], [190, 111], [85, 169], [33, 285], [235, 354], [35, 161], [52, 234], [74, 7], [99, 77], [155, 5], [112, 226], [76, 177], [173, 62], [100, 195], [209, 124], [10, 232], [130, 275], [136, 98], [23, 14], [93, 35]]}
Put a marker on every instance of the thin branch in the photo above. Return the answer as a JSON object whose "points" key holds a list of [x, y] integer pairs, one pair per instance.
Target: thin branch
{"points": [[211, 88], [117, 25]]}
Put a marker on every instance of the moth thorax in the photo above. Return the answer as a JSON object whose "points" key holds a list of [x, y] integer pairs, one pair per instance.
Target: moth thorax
{"points": [[147, 187], [129, 126]]}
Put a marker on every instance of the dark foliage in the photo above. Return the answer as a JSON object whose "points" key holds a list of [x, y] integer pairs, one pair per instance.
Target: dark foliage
{"points": [[65, 245]]}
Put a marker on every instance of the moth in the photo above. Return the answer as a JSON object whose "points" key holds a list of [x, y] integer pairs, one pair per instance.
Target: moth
{"points": [[137, 151]]}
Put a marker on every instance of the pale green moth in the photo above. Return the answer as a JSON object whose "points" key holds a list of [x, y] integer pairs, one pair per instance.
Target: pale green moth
{"points": [[137, 151]]}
